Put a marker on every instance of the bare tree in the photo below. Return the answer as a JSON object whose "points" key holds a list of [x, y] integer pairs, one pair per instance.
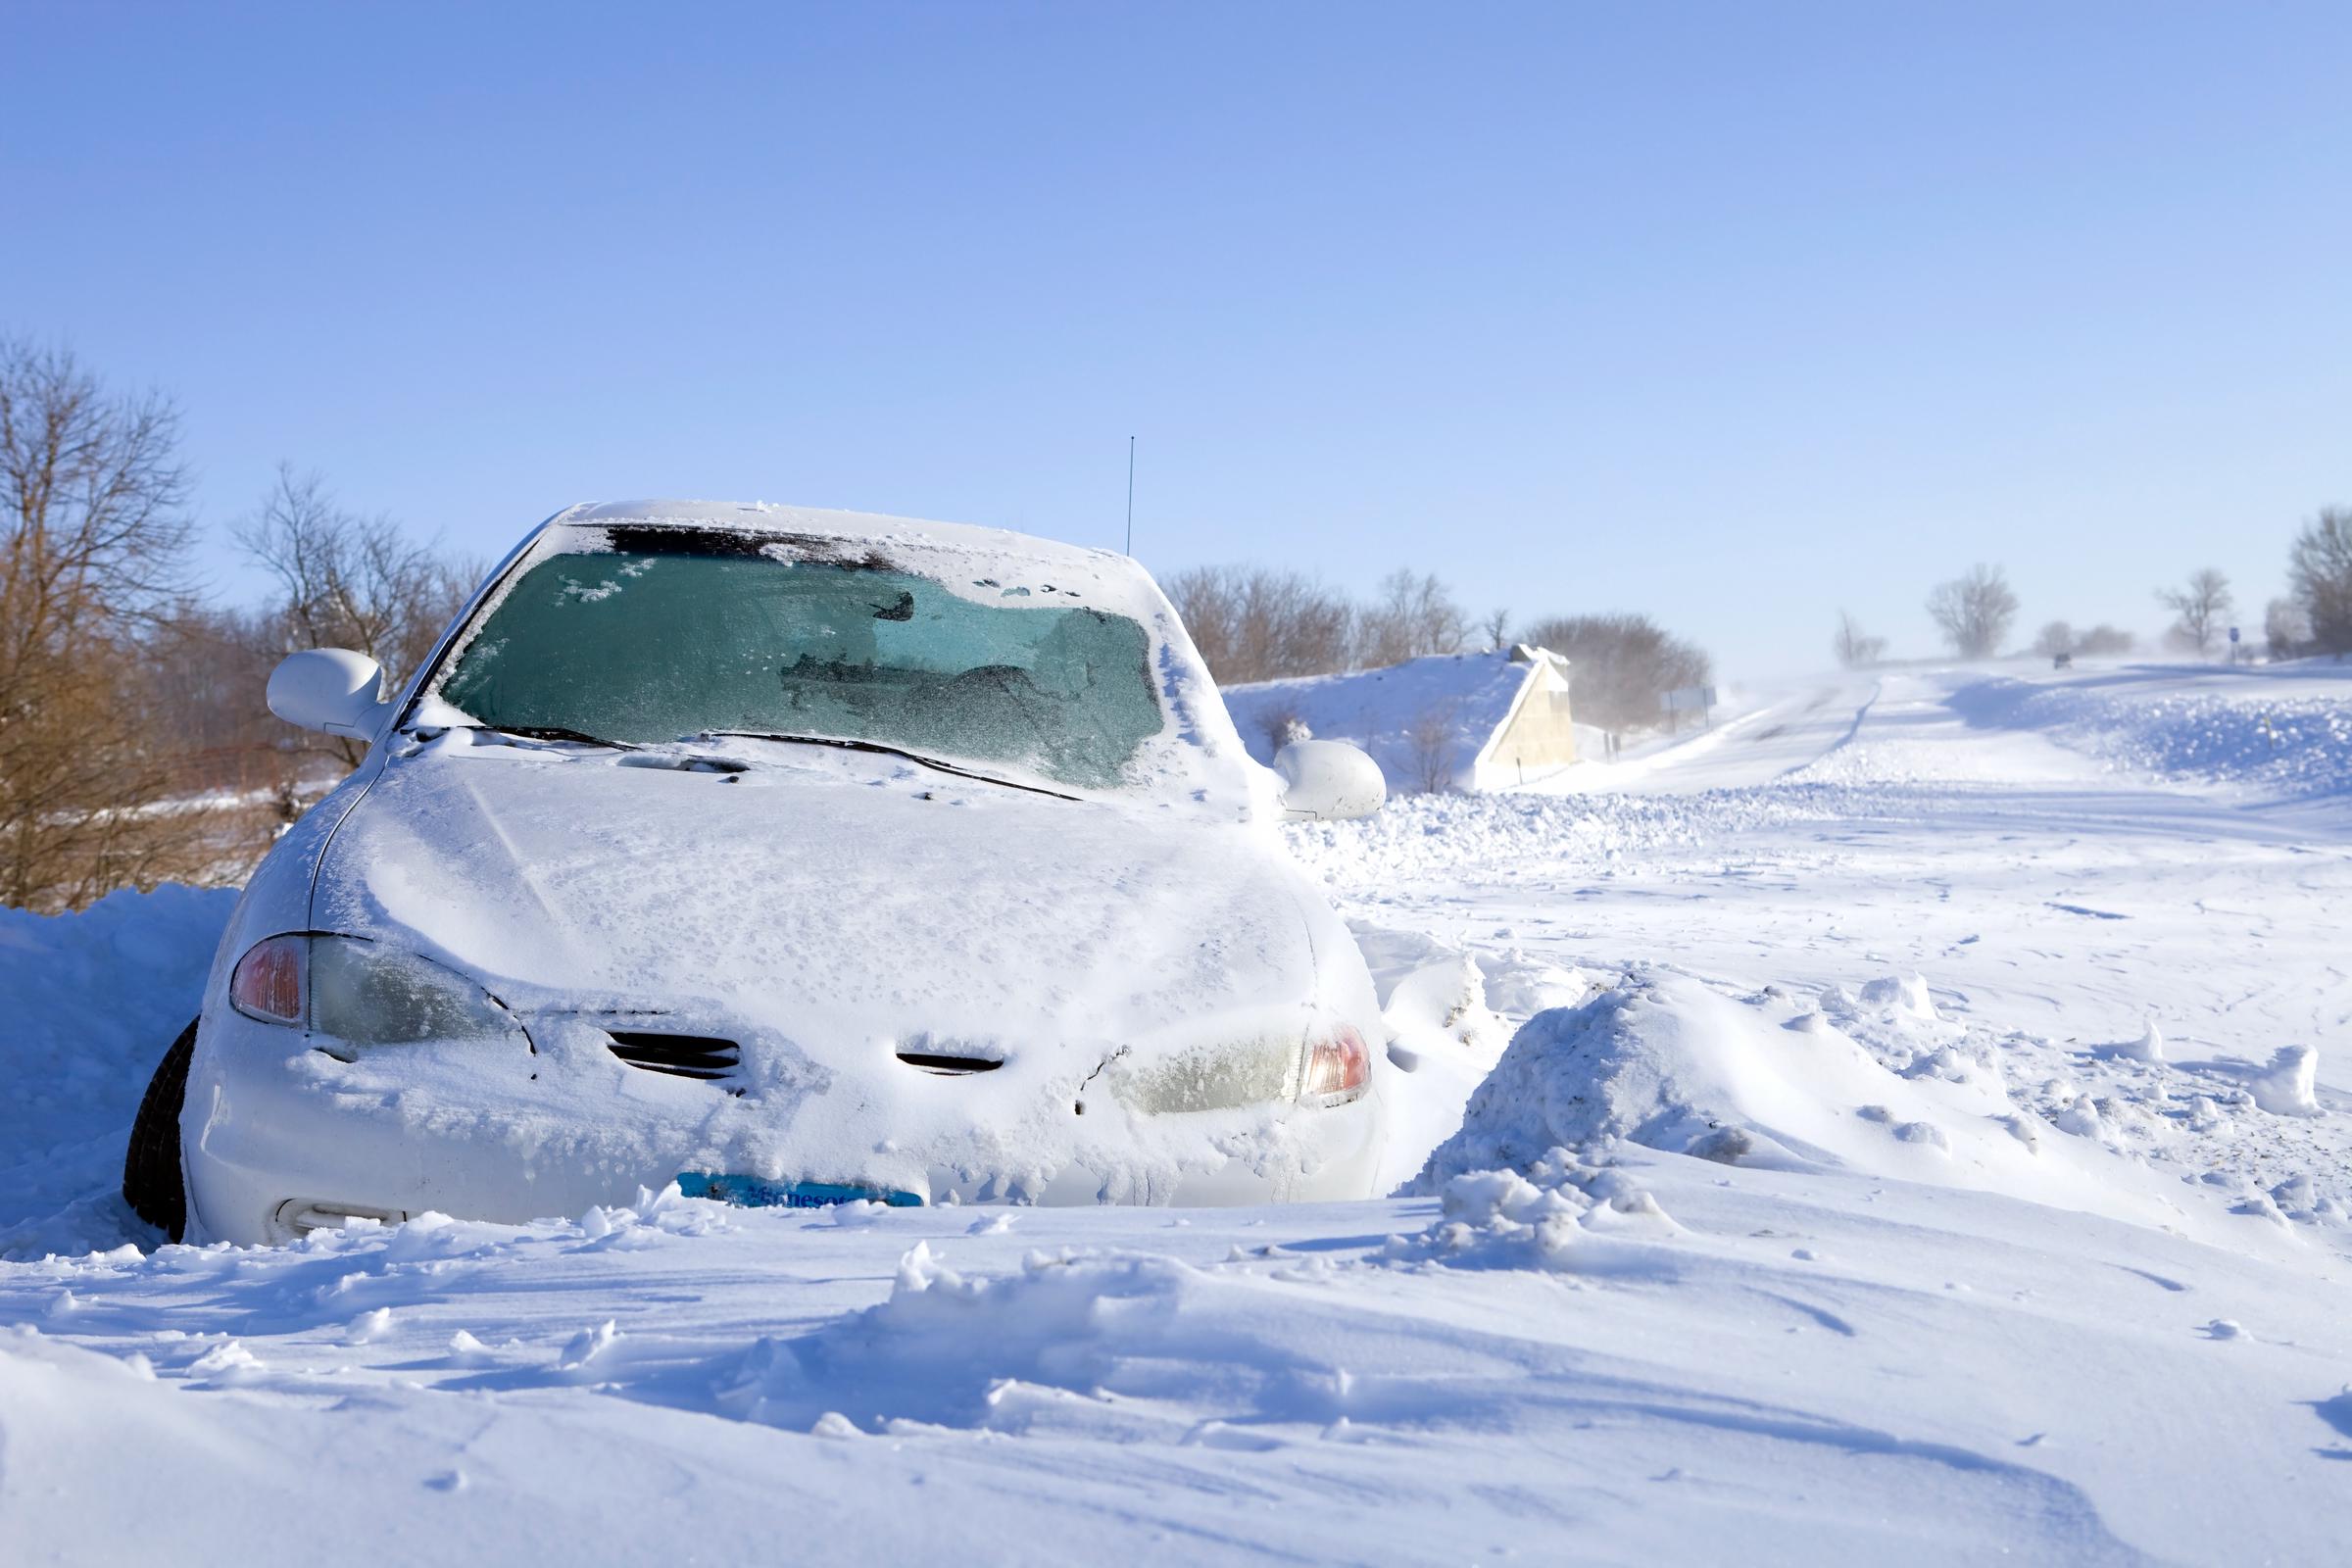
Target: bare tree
{"points": [[2285, 630], [1620, 667], [2105, 642], [1413, 617], [1495, 629], [1432, 737], [2199, 607], [1293, 625], [93, 538], [2053, 640], [1253, 623], [2320, 577], [1975, 611], [1855, 649], [351, 581], [208, 666], [1207, 600]]}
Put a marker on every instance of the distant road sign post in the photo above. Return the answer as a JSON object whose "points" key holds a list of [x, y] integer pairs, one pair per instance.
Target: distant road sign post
{"points": [[2233, 645], [1701, 699]]}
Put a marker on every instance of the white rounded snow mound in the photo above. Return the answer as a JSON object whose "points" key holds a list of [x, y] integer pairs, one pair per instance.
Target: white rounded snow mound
{"points": [[1443, 1004], [1669, 1062], [1908, 994], [1120, 1345], [1448, 1013], [1560, 1217], [2290, 1086]]}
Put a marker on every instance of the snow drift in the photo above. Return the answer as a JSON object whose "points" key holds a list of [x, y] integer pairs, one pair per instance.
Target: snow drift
{"points": [[2283, 732], [1871, 1082], [92, 1002]]}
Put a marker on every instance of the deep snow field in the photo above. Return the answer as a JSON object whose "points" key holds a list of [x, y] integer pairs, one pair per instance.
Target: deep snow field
{"points": [[1907, 1122]]}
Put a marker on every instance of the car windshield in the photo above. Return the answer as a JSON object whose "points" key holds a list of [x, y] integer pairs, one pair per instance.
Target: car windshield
{"points": [[653, 645]]}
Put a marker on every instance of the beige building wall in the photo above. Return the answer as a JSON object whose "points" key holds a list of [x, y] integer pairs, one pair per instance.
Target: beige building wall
{"points": [[1539, 738]]}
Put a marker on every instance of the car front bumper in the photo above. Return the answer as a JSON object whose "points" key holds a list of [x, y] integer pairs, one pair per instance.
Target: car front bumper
{"points": [[280, 1138]]}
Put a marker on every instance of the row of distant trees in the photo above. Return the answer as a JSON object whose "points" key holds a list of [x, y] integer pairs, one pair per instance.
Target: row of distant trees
{"points": [[134, 748], [2317, 612], [1975, 611], [1253, 623]]}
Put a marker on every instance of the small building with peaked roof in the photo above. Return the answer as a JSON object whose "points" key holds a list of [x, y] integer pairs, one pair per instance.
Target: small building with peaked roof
{"points": [[1450, 722]]}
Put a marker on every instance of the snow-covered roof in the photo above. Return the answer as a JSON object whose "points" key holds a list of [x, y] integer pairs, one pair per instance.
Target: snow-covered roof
{"points": [[1469, 697], [766, 517]]}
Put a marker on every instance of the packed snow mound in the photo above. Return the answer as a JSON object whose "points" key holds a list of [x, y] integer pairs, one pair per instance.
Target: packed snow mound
{"points": [[2289, 737], [1424, 721], [1870, 1081], [1118, 1345], [1448, 1013], [1560, 1217], [94, 1000], [1906, 993], [1665, 1061], [1445, 1004], [2290, 1086], [1064, 1324]]}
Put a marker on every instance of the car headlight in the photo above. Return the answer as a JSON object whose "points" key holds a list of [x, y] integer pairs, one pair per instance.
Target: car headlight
{"points": [[363, 993], [1338, 1066], [1329, 1067], [1223, 1076]]}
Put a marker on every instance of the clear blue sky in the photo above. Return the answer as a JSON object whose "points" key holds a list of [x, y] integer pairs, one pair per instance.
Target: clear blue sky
{"points": [[1733, 314]]}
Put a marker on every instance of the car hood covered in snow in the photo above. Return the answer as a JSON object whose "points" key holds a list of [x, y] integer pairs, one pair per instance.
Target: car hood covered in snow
{"points": [[831, 911], [814, 883]]}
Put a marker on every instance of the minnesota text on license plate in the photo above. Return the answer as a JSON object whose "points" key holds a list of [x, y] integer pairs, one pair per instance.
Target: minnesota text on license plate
{"points": [[756, 1191]]}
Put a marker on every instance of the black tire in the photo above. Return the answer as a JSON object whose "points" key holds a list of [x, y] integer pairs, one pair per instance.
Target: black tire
{"points": [[152, 1184]]}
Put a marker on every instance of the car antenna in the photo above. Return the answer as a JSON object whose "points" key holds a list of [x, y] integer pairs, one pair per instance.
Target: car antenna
{"points": [[1131, 495]]}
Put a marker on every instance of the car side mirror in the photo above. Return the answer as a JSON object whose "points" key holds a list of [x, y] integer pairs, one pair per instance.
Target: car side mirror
{"points": [[332, 690], [1328, 781]]}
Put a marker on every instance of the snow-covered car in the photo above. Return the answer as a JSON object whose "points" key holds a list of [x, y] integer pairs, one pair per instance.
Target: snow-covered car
{"points": [[797, 857]]}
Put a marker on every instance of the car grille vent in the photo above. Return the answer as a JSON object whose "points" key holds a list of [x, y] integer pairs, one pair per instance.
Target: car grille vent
{"points": [[951, 1066], [680, 1055]]}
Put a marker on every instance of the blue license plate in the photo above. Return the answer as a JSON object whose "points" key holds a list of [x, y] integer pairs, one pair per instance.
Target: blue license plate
{"points": [[756, 1191]]}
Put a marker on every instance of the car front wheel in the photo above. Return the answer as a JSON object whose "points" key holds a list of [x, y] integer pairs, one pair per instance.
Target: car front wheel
{"points": [[151, 1182]]}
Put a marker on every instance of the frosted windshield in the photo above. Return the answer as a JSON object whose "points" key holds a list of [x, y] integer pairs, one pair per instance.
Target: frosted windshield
{"points": [[652, 646]]}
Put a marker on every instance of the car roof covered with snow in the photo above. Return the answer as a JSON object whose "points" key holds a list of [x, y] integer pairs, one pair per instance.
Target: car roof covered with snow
{"points": [[755, 517]]}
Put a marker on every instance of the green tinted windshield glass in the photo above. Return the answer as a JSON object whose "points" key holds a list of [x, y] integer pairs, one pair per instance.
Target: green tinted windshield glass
{"points": [[649, 647]]}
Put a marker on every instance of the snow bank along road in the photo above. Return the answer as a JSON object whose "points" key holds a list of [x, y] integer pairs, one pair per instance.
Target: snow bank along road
{"points": [[1908, 1120]]}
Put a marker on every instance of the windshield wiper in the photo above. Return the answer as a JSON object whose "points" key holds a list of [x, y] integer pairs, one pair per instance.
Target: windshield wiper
{"points": [[555, 732], [931, 762]]}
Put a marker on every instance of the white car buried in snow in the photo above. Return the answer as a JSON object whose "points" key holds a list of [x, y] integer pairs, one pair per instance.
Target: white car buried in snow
{"points": [[798, 856]]}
